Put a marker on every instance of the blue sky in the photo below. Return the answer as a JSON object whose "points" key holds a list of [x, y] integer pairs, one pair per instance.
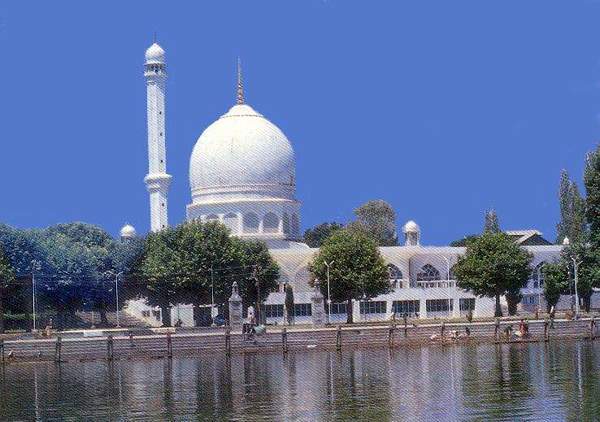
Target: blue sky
{"points": [[443, 108]]}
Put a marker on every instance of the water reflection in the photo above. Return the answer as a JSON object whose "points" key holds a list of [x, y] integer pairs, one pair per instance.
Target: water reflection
{"points": [[547, 381]]}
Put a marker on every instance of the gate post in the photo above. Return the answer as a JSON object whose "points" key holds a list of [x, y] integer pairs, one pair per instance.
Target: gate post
{"points": [[338, 338], [284, 343], [391, 335], [58, 350], [169, 346], [228, 341], [109, 348], [497, 329]]}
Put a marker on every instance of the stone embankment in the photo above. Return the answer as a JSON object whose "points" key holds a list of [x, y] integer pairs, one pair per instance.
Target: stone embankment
{"points": [[122, 344]]}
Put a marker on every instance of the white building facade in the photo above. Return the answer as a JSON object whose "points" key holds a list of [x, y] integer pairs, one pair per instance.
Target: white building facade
{"points": [[242, 173]]}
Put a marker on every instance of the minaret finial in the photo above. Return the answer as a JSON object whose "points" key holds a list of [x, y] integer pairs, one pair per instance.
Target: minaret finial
{"points": [[240, 84], [154, 37]]}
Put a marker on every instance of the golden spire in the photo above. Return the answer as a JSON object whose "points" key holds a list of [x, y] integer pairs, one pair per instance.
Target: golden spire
{"points": [[240, 84]]}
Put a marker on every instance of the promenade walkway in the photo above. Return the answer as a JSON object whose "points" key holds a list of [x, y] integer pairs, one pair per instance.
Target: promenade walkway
{"points": [[168, 342]]}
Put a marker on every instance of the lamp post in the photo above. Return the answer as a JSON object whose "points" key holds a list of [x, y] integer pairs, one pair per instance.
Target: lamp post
{"points": [[576, 263], [33, 298], [212, 296], [539, 277], [34, 266], [328, 264], [117, 296]]}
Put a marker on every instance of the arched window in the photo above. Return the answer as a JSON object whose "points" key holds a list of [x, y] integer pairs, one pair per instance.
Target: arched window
{"points": [[395, 273], [286, 223], [428, 273], [538, 275], [295, 225], [250, 223], [231, 222], [212, 217], [270, 223], [395, 276]]}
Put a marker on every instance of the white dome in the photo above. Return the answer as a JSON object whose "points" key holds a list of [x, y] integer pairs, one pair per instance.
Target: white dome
{"points": [[411, 227], [242, 155], [155, 54], [128, 231]]}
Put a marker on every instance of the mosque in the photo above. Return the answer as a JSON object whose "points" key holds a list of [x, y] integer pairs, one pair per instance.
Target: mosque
{"points": [[242, 173]]}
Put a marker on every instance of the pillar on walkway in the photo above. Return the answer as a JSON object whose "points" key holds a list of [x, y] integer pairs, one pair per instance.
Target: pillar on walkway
{"points": [[318, 309], [235, 309], [423, 306]]}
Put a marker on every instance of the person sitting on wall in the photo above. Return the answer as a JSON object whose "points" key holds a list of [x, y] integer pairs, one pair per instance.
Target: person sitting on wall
{"points": [[523, 329], [48, 329]]}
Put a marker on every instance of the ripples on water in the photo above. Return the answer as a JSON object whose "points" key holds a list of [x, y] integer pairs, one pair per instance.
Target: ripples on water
{"points": [[558, 381]]}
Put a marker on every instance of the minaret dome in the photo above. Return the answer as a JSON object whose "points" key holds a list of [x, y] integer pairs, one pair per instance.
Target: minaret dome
{"points": [[155, 54], [127, 232]]}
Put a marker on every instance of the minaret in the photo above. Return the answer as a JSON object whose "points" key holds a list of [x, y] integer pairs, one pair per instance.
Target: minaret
{"points": [[157, 181]]}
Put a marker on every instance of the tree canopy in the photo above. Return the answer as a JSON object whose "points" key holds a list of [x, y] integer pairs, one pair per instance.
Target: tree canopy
{"points": [[572, 222], [314, 237], [190, 262], [591, 180], [7, 278], [376, 219], [358, 270], [492, 266], [491, 224], [556, 282], [74, 266]]}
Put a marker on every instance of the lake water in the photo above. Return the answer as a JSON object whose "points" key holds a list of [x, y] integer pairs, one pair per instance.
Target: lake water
{"points": [[556, 381]]}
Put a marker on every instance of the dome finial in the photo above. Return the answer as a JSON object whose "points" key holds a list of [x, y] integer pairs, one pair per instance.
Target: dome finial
{"points": [[240, 84]]}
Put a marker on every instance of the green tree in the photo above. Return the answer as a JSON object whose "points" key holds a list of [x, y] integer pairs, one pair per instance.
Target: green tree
{"points": [[513, 298], [195, 261], [259, 273], [359, 272], [315, 236], [77, 259], [491, 222], [556, 282], [22, 249], [572, 211], [378, 220], [7, 278], [591, 180], [588, 270], [209, 259], [463, 242], [157, 271], [492, 266]]}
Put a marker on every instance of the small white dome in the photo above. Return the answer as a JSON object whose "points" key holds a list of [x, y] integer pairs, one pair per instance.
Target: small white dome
{"points": [[411, 227], [242, 153], [128, 231], [155, 54]]}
